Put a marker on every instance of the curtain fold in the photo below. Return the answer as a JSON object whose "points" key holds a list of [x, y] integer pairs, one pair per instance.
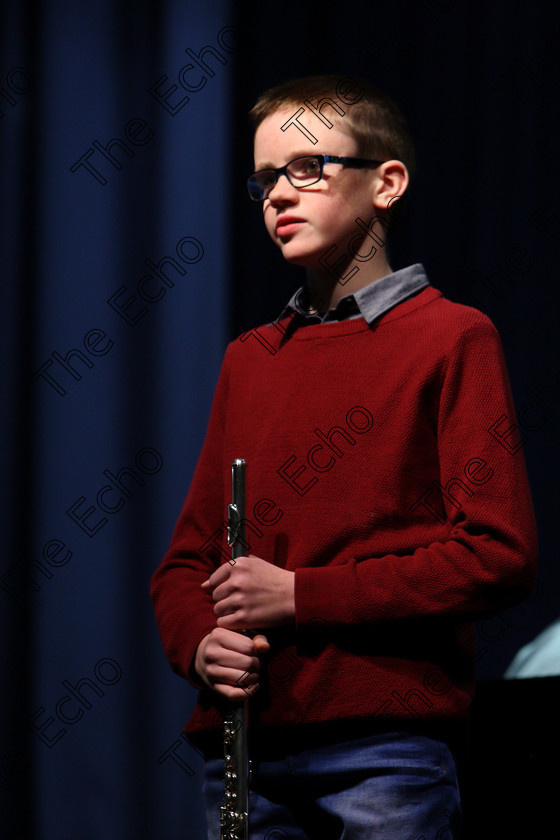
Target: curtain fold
{"points": [[115, 242]]}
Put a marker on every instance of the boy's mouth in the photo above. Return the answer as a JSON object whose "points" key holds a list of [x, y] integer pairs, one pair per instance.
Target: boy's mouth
{"points": [[288, 224]]}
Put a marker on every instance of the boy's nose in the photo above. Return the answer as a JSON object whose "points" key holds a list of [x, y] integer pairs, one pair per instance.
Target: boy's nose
{"points": [[282, 189]]}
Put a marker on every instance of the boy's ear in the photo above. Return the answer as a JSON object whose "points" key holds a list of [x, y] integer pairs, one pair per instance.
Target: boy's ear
{"points": [[391, 182]]}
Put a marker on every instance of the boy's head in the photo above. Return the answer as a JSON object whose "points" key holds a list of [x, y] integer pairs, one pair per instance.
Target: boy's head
{"points": [[329, 116]]}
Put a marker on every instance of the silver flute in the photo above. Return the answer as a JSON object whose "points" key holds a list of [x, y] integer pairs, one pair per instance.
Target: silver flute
{"points": [[234, 816]]}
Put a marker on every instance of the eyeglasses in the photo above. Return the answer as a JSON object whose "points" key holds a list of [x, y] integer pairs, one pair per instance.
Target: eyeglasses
{"points": [[301, 172]]}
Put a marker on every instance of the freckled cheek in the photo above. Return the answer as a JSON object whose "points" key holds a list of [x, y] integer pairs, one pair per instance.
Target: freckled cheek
{"points": [[329, 224]]}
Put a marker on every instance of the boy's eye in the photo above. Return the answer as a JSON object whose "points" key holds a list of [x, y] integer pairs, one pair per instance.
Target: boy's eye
{"points": [[305, 167]]}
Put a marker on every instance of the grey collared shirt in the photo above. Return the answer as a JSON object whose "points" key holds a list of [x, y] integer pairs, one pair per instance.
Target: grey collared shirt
{"points": [[369, 303]]}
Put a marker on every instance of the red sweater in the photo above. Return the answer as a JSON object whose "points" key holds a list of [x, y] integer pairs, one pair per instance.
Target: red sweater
{"points": [[385, 468]]}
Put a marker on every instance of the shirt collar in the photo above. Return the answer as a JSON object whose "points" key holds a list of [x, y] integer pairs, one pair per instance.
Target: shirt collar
{"points": [[370, 302]]}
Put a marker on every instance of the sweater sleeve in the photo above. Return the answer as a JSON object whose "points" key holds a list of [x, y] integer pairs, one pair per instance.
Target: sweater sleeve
{"points": [[486, 559], [184, 613]]}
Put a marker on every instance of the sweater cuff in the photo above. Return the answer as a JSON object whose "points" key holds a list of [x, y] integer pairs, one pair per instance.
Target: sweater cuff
{"points": [[323, 594], [193, 676], [189, 656]]}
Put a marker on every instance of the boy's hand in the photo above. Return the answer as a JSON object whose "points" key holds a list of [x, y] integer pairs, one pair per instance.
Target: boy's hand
{"points": [[229, 662], [251, 594]]}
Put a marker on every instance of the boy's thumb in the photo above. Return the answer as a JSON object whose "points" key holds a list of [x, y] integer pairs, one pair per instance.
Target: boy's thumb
{"points": [[261, 642]]}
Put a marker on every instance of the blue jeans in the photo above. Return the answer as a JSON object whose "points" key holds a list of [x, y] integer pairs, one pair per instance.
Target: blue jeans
{"points": [[393, 786]]}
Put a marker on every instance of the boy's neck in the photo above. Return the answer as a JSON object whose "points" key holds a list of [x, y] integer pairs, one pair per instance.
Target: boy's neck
{"points": [[324, 287]]}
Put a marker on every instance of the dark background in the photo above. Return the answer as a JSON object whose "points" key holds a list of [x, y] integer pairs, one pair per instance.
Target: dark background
{"points": [[478, 84]]}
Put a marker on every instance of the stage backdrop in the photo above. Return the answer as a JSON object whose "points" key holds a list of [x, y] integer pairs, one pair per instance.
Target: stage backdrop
{"points": [[131, 255], [115, 172]]}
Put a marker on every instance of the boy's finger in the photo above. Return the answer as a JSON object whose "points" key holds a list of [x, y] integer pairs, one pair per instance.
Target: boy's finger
{"points": [[261, 643]]}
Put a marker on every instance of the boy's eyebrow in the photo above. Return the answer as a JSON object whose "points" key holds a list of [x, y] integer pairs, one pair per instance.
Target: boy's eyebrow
{"points": [[294, 156]]}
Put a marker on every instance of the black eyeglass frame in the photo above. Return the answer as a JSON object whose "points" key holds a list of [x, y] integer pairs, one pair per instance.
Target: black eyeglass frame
{"points": [[355, 163]]}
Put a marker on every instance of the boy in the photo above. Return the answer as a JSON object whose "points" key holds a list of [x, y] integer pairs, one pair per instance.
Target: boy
{"points": [[387, 502]]}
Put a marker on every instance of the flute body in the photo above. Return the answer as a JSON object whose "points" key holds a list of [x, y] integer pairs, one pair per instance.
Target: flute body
{"points": [[234, 816]]}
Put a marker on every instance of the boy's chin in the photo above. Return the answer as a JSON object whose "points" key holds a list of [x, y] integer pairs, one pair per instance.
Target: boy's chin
{"points": [[301, 261], [301, 257]]}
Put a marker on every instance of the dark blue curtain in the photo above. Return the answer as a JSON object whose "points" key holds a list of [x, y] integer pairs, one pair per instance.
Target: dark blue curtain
{"points": [[115, 166], [131, 255]]}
